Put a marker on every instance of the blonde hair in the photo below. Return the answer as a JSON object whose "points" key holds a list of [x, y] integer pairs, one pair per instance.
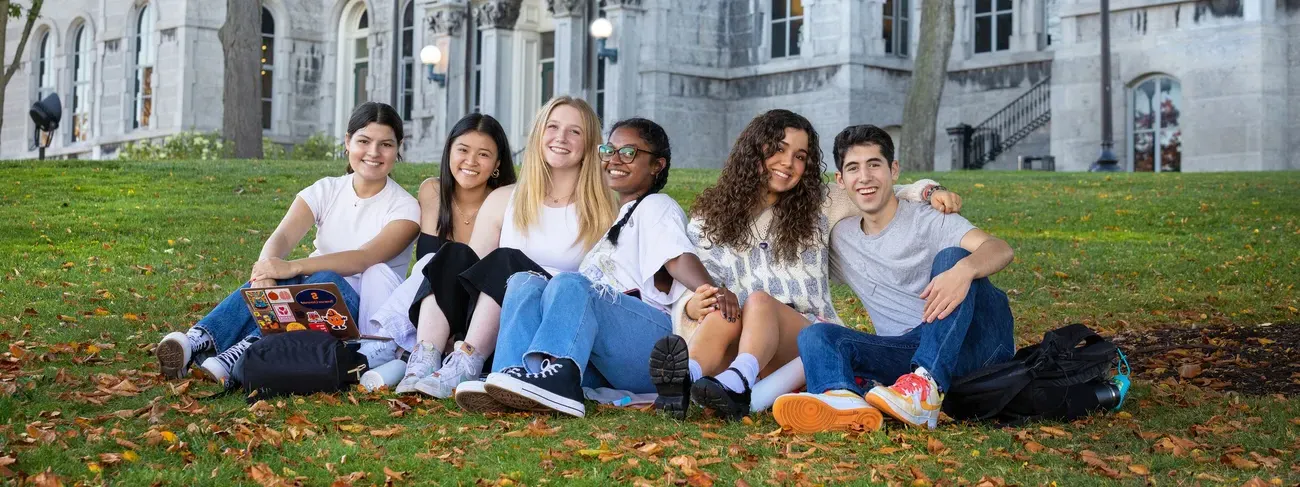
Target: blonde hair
{"points": [[596, 203]]}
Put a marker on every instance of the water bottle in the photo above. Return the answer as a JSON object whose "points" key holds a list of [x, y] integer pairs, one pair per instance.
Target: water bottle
{"points": [[387, 376], [787, 379]]}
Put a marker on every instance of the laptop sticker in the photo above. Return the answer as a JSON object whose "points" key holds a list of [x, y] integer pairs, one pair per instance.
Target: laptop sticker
{"points": [[278, 296], [259, 300], [336, 320], [316, 298], [265, 321], [283, 313], [295, 326]]}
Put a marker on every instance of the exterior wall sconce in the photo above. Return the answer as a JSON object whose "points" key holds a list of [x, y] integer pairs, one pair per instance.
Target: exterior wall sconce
{"points": [[601, 29], [430, 56]]}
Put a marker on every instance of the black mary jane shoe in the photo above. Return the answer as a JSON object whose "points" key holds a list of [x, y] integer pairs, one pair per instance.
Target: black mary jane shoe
{"points": [[670, 372], [728, 405]]}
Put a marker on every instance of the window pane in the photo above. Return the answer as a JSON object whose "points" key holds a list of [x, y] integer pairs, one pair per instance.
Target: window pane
{"points": [[796, 8], [406, 105], [903, 9], [365, 20], [360, 73], [146, 75], [904, 36], [983, 6], [362, 49], [268, 50], [1170, 102], [268, 22], [1004, 32], [478, 47], [266, 114], [983, 34], [795, 26], [548, 81], [778, 39], [778, 9], [1004, 5], [268, 83], [548, 45], [1144, 152], [888, 34], [408, 16]]}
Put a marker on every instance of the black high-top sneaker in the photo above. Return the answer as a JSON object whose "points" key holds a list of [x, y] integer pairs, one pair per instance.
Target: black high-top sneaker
{"points": [[556, 387]]}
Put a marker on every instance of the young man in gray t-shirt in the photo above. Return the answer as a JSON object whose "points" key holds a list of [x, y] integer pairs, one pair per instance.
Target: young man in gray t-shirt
{"points": [[923, 277]]}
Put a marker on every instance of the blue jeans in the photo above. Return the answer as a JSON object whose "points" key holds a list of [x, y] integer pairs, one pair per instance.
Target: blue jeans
{"points": [[976, 334], [230, 321], [592, 324]]}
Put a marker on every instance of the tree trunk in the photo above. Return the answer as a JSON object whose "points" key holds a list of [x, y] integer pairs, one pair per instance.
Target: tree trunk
{"points": [[241, 41], [8, 74], [929, 71]]}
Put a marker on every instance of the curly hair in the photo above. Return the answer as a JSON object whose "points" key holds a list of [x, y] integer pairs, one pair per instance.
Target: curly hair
{"points": [[728, 208]]}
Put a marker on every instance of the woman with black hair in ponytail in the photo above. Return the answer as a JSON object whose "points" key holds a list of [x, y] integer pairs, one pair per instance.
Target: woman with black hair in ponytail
{"points": [[596, 326]]}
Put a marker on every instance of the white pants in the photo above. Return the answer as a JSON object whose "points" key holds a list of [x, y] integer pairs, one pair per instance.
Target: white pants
{"points": [[393, 313], [375, 285]]}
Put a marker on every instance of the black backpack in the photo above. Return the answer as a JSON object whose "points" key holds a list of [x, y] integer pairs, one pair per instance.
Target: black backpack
{"points": [[1063, 378], [299, 362]]}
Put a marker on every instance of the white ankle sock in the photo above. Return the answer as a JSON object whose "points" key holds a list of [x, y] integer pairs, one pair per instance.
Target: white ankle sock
{"points": [[696, 371], [747, 365]]}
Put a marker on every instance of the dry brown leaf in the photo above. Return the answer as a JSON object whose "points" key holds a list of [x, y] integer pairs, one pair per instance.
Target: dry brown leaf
{"points": [[351, 428], [1238, 462], [1189, 371], [1139, 469], [742, 483], [1057, 432], [933, 445], [47, 479], [535, 428], [1033, 446], [388, 433], [395, 476], [1256, 482]]}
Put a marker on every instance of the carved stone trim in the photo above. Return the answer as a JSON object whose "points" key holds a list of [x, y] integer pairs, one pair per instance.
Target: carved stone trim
{"points": [[565, 8], [497, 14], [635, 4], [446, 22]]}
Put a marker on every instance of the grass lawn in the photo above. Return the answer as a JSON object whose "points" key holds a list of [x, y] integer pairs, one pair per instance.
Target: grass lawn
{"points": [[99, 259]]}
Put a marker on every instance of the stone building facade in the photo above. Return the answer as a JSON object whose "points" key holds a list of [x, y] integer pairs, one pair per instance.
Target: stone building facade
{"points": [[1198, 85]]}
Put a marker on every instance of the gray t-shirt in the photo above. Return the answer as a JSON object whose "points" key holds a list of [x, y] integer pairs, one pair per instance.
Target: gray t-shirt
{"points": [[889, 270]]}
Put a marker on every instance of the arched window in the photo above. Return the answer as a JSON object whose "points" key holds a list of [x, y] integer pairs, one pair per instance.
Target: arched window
{"points": [[268, 68], [145, 53], [354, 60], [81, 96], [407, 80], [1155, 136], [45, 83]]}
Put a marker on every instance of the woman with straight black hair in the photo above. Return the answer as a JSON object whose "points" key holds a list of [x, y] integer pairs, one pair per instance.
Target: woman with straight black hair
{"points": [[475, 160], [365, 223]]}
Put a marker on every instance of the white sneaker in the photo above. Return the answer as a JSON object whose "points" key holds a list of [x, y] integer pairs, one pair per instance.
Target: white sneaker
{"points": [[383, 377], [173, 354], [832, 410], [378, 352], [462, 365], [472, 397], [423, 361], [220, 366]]}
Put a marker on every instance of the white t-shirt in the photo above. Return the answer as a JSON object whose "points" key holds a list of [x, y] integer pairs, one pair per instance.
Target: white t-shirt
{"points": [[654, 235], [345, 221], [551, 243]]}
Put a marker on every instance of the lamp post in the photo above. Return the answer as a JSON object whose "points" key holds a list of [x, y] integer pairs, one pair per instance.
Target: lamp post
{"points": [[601, 29], [430, 56], [46, 114], [1106, 161]]}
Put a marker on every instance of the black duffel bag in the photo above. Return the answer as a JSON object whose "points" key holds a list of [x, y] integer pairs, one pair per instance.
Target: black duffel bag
{"points": [[298, 362]]}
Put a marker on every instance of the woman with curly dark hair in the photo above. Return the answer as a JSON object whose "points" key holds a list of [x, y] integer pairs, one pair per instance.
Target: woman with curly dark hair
{"points": [[763, 232]]}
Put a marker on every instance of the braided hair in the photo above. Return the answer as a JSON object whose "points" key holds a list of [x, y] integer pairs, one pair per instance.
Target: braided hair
{"points": [[657, 139]]}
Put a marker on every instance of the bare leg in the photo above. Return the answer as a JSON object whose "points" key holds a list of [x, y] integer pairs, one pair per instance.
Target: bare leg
{"points": [[713, 345], [433, 327], [771, 333], [483, 325]]}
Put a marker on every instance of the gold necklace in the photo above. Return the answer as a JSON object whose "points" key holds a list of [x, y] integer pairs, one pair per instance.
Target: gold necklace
{"points": [[462, 214]]}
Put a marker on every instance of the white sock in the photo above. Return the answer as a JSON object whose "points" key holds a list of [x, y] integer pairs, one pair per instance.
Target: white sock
{"points": [[747, 365], [696, 371]]}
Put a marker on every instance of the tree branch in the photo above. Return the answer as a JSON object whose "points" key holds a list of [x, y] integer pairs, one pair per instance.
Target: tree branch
{"points": [[32, 13]]}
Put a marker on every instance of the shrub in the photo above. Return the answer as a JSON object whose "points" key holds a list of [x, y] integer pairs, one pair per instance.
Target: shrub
{"points": [[185, 145], [318, 147], [272, 150]]}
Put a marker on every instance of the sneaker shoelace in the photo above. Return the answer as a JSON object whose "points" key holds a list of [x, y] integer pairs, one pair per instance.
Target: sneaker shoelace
{"points": [[232, 354], [913, 385], [458, 362], [549, 368]]}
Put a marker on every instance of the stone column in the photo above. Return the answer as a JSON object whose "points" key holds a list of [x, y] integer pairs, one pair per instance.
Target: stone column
{"points": [[496, 19], [446, 29], [622, 78], [570, 45]]}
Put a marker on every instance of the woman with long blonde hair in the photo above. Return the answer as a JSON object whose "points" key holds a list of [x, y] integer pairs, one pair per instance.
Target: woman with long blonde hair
{"points": [[545, 223]]}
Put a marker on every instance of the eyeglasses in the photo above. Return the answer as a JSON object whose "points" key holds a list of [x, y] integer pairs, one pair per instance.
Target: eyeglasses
{"points": [[626, 154]]}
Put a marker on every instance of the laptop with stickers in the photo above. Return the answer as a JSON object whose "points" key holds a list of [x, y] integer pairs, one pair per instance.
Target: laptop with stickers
{"points": [[300, 307]]}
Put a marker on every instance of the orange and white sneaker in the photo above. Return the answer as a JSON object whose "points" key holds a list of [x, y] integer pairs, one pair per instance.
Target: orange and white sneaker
{"points": [[832, 410], [914, 399]]}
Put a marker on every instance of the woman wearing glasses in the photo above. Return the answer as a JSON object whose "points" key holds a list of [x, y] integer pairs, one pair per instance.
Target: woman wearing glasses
{"points": [[595, 327]]}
